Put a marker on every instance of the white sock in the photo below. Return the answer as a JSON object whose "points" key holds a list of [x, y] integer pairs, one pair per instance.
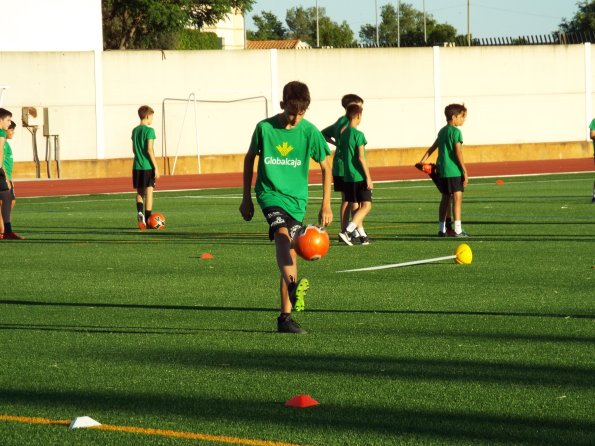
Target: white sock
{"points": [[351, 227], [362, 232], [442, 226], [458, 228]]}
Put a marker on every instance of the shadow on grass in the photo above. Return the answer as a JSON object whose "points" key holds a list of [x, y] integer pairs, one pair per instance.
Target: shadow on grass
{"points": [[262, 309], [340, 424]]}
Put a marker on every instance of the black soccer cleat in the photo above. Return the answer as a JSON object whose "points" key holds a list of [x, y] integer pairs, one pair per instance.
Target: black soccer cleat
{"points": [[288, 325]]}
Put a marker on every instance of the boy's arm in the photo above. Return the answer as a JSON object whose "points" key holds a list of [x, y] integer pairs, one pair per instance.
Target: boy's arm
{"points": [[325, 216], [430, 150], [247, 207], [361, 154], [459, 153], [2, 141], [152, 157]]}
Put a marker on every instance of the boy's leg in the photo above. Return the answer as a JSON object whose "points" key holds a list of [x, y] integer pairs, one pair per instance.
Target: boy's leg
{"points": [[291, 290], [443, 212], [148, 201], [140, 216], [358, 218], [457, 211], [287, 263], [344, 211]]}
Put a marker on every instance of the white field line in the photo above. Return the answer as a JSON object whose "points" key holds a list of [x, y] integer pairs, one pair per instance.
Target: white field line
{"points": [[239, 196]]}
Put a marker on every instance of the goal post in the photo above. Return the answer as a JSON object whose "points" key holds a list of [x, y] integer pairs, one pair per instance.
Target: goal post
{"points": [[191, 124]]}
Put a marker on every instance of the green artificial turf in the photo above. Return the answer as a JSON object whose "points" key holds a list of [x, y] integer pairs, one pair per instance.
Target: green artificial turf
{"points": [[134, 329]]}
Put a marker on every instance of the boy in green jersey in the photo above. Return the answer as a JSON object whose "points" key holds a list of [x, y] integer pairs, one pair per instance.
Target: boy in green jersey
{"points": [[5, 121], [7, 197], [451, 167], [357, 178], [332, 133], [284, 145], [592, 134], [144, 170]]}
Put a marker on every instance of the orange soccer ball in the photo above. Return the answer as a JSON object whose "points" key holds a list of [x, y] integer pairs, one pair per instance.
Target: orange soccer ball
{"points": [[311, 242], [156, 221]]}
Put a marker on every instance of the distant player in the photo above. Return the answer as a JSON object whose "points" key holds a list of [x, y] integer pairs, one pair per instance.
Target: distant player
{"points": [[284, 145], [8, 197], [144, 170], [592, 134], [332, 134], [357, 179], [5, 120], [451, 167]]}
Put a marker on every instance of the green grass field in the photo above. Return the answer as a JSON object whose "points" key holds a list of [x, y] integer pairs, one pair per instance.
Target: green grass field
{"points": [[133, 329]]}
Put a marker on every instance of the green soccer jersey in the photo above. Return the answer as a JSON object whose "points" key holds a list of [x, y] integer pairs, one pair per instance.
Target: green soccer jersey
{"points": [[8, 161], [350, 142], [334, 131], [141, 134], [592, 127], [283, 163], [448, 165]]}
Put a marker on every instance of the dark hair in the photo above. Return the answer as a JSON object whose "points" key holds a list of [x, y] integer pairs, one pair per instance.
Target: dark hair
{"points": [[353, 110], [296, 97], [145, 111], [351, 99], [13, 125], [454, 110], [4, 113]]}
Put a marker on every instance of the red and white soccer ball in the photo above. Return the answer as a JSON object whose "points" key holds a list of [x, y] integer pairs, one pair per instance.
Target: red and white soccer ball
{"points": [[156, 221], [311, 242]]}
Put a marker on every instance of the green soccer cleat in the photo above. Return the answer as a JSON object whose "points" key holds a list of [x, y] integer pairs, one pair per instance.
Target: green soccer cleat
{"points": [[297, 294]]}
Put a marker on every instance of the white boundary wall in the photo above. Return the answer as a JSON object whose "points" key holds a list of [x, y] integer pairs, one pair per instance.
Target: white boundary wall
{"points": [[515, 94]]}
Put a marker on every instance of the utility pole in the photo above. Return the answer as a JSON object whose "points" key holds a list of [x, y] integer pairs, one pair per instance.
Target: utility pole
{"points": [[399, 23], [425, 34], [468, 22], [377, 35], [317, 28]]}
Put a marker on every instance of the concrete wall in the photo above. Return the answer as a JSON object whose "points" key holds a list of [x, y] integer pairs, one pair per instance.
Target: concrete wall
{"points": [[515, 95]]}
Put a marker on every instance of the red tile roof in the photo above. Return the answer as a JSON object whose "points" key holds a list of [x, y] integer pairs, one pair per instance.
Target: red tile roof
{"points": [[290, 44]]}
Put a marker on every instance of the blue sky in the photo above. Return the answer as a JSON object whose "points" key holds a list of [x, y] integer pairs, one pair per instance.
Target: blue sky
{"points": [[489, 18]]}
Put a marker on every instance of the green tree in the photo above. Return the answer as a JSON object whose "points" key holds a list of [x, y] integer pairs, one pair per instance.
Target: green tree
{"points": [[406, 28], [583, 21], [269, 27], [302, 25], [158, 23]]}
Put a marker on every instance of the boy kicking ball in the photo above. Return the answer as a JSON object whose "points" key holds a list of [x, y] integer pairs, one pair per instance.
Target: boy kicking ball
{"points": [[284, 145]]}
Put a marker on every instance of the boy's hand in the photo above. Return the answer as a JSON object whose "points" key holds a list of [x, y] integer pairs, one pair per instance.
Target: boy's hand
{"points": [[465, 180], [325, 216], [369, 184], [247, 209], [157, 175]]}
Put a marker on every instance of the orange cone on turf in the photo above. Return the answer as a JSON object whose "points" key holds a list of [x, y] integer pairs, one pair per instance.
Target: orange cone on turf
{"points": [[301, 401], [499, 181], [206, 255]]}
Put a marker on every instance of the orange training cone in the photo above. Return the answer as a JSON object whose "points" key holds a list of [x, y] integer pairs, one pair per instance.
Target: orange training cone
{"points": [[301, 401], [206, 255], [499, 181]]}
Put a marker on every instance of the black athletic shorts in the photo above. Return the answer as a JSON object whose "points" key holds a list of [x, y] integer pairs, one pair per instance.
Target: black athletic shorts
{"points": [[3, 180], [357, 192], [277, 218], [450, 185], [12, 195], [338, 184], [143, 178]]}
